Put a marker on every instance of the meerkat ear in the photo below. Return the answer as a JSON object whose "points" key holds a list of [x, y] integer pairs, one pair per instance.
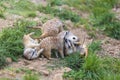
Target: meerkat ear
{"points": [[67, 32]]}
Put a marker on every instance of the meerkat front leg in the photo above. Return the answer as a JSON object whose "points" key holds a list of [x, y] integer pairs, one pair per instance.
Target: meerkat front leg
{"points": [[73, 47], [61, 53], [47, 54], [56, 54], [39, 52], [34, 45]]}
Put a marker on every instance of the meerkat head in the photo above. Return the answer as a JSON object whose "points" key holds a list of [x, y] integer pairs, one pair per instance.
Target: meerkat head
{"points": [[59, 24], [27, 37], [70, 36]]}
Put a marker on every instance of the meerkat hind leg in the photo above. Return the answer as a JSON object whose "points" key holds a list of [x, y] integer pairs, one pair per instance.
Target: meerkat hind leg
{"points": [[39, 52]]}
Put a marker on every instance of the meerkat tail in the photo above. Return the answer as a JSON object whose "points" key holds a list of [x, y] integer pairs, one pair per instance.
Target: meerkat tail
{"points": [[42, 36], [86, 52]]}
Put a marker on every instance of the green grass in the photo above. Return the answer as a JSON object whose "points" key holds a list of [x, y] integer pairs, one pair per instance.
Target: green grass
{"points": [[2, 10], [55, 2], [21, 7], [63, 14], [2, 14], [31, 76], [93, 67], [74, 61], [103, 18], [100, 12], [11, 40], [95, 46], [5, 79]]}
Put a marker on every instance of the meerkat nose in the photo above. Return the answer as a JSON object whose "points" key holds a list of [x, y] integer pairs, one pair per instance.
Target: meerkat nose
{"points": [[78, 40]]}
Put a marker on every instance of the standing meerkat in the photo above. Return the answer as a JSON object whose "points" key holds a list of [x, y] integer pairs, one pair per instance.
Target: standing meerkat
{"points": [[57, 43], [50, 28]]}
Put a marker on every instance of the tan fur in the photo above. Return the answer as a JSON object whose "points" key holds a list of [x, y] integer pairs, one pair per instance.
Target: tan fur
{"points": [[50, 43], [30, 45], [84, 50], [57, 43], [51, 28], [29, 42]]}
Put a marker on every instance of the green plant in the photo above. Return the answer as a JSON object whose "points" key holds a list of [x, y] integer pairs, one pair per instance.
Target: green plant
{"points": [[94, 46], [2, 10], [113, 29], [2, 14], [78, 4], [90, 69], [95, 67], [31, 77], [55, 2], [74, 61], [5, 79], [22, 7], [2, 60], [103, 18], [61, 13]]}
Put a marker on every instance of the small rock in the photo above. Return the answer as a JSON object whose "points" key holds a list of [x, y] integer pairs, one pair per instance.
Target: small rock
{"points": [[31, 68], [12, 74], [26, 62], [66, 69], [8, 60], [1, 73], [44, 72]]}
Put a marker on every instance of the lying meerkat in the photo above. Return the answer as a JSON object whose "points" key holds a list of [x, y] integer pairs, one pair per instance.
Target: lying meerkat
{"points": [[50, 28], [76, 47], [57, 43], [30, 45]]}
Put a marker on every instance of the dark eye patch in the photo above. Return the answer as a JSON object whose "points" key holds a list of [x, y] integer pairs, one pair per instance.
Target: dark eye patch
{"points": [[74, 38]]}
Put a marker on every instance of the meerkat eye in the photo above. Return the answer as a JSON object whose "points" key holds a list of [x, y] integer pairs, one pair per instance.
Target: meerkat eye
{"points": [[74, 38]]}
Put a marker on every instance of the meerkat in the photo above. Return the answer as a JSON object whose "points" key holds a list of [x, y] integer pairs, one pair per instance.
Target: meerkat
{"points": [[57, 43], [50, 28], [30, 45], [71, 47]]}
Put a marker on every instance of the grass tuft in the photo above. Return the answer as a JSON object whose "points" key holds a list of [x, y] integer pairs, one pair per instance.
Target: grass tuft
{"points": [[31, 77], [22, 7]]}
